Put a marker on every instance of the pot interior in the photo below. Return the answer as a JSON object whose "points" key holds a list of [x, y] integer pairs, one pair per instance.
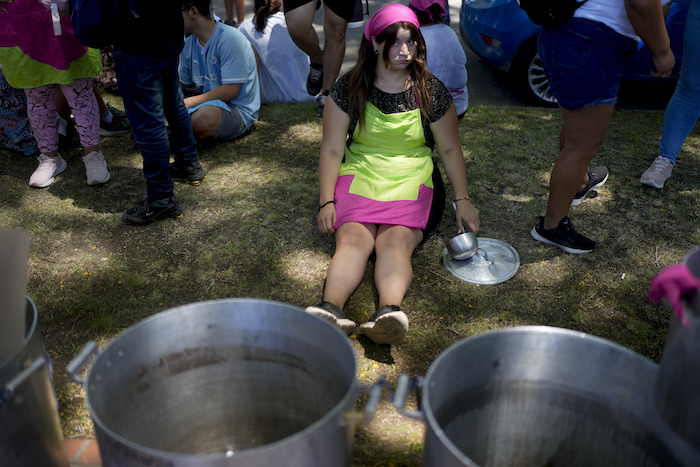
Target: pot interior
{"points": [[538, 396], [537, 424], [221, 377]]}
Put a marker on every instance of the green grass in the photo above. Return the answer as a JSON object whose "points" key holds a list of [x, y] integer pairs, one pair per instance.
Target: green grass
{"points": [[250, 231]]}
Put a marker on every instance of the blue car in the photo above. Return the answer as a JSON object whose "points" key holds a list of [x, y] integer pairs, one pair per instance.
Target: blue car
{"points": [[501, 34]]}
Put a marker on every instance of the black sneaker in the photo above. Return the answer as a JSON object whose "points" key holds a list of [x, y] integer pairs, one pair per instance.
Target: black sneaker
{"points": [[388, 325], [193, 174], [120, 123], [314, 82], [597, 177], [152, 211], [331, 312], [564, 236]]}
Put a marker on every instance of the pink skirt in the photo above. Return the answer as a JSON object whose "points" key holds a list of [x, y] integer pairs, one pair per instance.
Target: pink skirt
{"points": [[355, 208]]}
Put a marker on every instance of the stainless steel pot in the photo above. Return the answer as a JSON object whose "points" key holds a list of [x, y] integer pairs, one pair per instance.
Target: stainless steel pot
{"points": [[543, 396], [30, 429], [224, 383]]}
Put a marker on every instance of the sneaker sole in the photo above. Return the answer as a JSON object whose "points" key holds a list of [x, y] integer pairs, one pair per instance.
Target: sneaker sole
{"points": [[576, 202], [390, 328], [652, 183], [346, 325], [534, 234]]}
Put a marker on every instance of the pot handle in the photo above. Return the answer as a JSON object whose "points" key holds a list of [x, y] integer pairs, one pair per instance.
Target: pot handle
{"points": [[79, 361], [352, 419], [8, 392], [403, 386], [375, 394]]}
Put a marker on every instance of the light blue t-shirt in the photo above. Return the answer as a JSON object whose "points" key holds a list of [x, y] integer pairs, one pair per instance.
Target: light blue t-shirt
{"points": [[226, 58]]}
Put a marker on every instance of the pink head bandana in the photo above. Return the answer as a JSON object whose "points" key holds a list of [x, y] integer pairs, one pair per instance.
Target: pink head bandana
{"points": [[388, 15], [423, 5]]}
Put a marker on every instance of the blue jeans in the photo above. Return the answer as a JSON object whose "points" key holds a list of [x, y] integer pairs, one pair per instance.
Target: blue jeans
{"points": [[150, 88], [684, 107]]}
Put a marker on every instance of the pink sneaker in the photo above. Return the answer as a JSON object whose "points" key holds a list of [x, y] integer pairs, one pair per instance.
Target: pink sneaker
{"points": [[657, 174], [48, 168], [96, 168]]}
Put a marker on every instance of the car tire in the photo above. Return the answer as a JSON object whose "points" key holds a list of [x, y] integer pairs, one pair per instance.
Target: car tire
{"points": [[529, 76]]}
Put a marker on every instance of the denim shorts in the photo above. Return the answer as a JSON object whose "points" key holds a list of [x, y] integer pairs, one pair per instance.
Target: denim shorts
{"points": [[584, 61]]}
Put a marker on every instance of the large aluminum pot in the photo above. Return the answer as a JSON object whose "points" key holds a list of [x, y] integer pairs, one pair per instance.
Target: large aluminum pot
{"points": [[543, 396], [236, 382], [30, 429]]}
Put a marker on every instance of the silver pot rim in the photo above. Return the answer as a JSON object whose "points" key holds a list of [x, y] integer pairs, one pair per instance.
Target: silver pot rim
{"points": [[347, 400], [429, 411]]}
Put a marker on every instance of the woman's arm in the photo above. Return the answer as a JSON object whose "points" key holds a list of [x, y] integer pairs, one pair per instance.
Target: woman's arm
{"points": [[450, 149], [647, 19], [335, 130]]}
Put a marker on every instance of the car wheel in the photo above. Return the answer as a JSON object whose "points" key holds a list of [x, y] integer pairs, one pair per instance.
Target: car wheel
{"points": [[530, 78]]}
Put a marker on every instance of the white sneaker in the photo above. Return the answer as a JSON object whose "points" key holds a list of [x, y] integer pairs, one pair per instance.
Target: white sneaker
{"points": [[657, 173], [48, 168], [96, 168]]}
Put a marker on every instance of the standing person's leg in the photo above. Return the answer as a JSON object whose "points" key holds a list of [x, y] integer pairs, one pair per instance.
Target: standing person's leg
{"points": [[299, 19], [83, 103], [300, 26], [41, 111], [392, 276], [583, 133], [141, 88], [584, 61], [182, 142], [228, 6], [684, 107], [240, 11], [354, 244], [334, 29]]}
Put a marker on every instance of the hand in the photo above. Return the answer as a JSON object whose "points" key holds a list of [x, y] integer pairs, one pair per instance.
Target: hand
{"points": [[327, 218], [189, 101], [664, 64], [467, 216], [674, 283], [2, 8]]}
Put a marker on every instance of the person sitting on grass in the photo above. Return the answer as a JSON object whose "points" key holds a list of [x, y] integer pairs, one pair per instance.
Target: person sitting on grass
{"points": [[379, 189], [282, 65], [219, 63], [446, 57]]}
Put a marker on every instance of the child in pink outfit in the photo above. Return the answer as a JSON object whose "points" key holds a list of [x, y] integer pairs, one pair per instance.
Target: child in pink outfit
{"points": [[40, 53]]}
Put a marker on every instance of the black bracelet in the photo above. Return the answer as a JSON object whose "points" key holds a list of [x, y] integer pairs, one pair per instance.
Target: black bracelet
{"points": [[460, 199], [326, 204]]}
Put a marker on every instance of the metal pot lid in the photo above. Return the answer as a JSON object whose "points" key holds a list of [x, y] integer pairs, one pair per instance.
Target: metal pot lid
{"points": [[495, 262]]}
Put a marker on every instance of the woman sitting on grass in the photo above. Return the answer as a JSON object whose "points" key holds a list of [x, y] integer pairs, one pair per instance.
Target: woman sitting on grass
{"points": [[379, 189]]}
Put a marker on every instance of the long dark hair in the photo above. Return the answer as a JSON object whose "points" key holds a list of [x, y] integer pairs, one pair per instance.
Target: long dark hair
{"points": [[263, 9], [363, 73]]}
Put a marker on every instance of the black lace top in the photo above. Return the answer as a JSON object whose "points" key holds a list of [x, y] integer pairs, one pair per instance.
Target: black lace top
{"points": [[395, 103]]}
